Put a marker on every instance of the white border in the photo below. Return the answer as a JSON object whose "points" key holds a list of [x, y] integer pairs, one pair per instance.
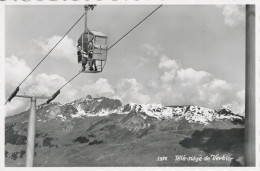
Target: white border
{"points": [[132, 169], [257, 78], [126, 2], [2, 78]]}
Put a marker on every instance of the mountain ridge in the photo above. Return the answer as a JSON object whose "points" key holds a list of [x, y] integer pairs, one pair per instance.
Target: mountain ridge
{"points": [[102, 106], [117, 134]]}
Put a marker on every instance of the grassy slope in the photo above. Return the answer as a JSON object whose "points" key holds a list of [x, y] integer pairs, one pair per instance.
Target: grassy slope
{"points": [[109, 143]]}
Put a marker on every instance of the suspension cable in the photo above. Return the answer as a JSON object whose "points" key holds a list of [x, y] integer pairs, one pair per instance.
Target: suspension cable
{"points": [[135, 27], [70, 80], [58, 91], [119, 40], [51, 50]]}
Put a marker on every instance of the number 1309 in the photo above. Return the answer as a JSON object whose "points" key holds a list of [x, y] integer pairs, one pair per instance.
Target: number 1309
{"points": [[163, 158]]}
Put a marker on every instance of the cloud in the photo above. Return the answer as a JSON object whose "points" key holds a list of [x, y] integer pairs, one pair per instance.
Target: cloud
{"points": [[17, 69], [233, 14], [169, 76], [170, 68], [150, 53], [176, 86], [99, 88], [17, 105], [238, 105], [167, 63], [216, 92], [184, 86], [46, 84], [129, 90], [191, 76], [241, 95], [66, 49]]}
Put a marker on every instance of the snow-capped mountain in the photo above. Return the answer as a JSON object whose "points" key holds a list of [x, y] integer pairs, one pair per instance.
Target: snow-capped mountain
{"points": [[106, 132], [92, 107]]}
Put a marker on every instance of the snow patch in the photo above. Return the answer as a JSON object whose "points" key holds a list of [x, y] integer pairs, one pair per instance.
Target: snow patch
{"points": [[192, 113], [102, 112], [100, 100], [63, 118], [80, 112]]}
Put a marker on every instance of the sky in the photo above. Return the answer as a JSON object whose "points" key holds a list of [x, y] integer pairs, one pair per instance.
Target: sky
{"points": [[181, 55]]}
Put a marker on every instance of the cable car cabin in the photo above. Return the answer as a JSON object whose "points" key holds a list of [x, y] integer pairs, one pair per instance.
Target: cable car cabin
{"points": [[94, 51]]}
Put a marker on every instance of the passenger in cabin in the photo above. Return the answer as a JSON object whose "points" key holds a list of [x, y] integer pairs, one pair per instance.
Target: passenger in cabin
{"points": [[84, 61], [91, 45], [82, 57], [79, 53], [91, 61]]}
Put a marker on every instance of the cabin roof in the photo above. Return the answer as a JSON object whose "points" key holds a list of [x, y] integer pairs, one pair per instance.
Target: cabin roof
{"points": [[98, 33]]}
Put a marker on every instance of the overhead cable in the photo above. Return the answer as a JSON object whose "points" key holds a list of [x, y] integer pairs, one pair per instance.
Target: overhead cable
{"points": [[17, 89], [58, 92]]}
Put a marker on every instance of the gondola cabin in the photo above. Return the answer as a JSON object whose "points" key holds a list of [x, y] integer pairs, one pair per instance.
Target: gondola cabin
{"points": [[94, 49]]}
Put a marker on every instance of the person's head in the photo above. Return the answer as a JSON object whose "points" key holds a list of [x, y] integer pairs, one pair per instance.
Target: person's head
{"points": [[90, 54], [90, 43], [79, 47]]}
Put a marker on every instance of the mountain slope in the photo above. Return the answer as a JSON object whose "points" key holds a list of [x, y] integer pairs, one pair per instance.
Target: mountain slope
{"points": [[117, 134]]}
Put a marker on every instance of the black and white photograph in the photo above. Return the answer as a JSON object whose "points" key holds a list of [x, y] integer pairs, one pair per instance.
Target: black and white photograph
{"points": [[155, 85]]}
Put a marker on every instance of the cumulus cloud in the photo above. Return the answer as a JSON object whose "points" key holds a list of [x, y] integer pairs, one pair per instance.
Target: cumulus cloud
{"points": [[191, 76], [16, 70], [233, 14], [66, 49], [168, 76], [183, 86], [241, 95], [177, 86], [150, 53], [238, 105], [16, 106], [46, 84], [167, 63], [170, 68], [216, 92], [129, 90], [99, 88]]}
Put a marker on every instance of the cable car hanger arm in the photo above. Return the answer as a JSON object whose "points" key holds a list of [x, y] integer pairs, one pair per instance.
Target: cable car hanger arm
{"points": [[12, 95]]}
